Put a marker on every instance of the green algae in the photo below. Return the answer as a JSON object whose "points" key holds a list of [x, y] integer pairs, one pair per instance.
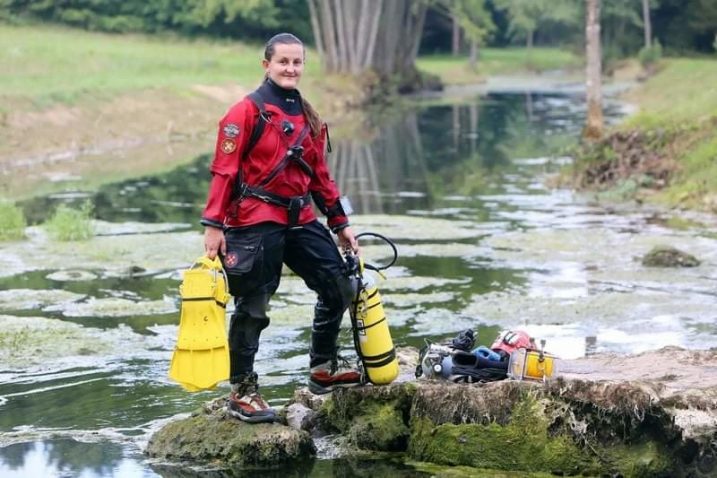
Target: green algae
{"points": [[26, 299], [374, 418], [111, 255], [400, 227], [27, 341], [443, 471], [646, 459], [379, 428], [115, 307], [522, 444]]}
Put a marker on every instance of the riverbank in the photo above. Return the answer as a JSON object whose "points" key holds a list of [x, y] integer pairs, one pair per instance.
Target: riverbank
{"points": [[665, 152]]}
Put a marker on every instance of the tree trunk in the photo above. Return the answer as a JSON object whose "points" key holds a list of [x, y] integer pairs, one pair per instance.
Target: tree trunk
{"points": [[358, 35], [456, 38], [473, 58], [529, 39], [594, 124], [647, 22], [316, 27]]}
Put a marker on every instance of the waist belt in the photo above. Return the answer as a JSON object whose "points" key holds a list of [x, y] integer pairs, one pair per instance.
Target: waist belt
{"points": [[294, 204]]}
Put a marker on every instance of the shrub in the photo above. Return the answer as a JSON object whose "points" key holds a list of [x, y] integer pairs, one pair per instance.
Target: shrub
{"points": [[68, 224], [13, 222], [648, 56]]}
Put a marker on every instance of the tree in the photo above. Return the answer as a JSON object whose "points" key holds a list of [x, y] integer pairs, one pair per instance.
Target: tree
{"points": [[527, 16], [474, 19], [353, 36], [594, 124], [647, 24]]}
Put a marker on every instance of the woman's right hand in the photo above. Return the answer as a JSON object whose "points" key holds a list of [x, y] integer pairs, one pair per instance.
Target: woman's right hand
{"points": [[214, 242]]}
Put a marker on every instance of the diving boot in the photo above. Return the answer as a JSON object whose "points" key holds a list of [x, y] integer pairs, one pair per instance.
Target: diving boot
{"points": [[328, 376], [246, 404]]}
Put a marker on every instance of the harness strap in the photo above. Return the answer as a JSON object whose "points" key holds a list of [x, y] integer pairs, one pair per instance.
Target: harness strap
{"points": [[293, 153], [294, 204]]}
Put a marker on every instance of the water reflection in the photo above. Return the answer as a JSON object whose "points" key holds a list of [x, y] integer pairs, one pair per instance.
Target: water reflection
{"points": [[392, 467], [69, 458], [414, 159]]}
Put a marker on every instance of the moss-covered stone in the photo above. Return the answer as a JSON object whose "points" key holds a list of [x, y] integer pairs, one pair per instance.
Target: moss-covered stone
{"points": [[522, 444], [213, 438], [372, 418], [667, 256], [637, 460], [381, 428]]}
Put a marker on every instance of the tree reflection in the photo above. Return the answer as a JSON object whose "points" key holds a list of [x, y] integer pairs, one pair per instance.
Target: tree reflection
{"points": [[14, 455], [67, 457], [410, 159], [77, 458]]}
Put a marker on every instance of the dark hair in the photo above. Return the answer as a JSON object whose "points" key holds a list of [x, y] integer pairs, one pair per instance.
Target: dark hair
{"points": [[269, 49]]}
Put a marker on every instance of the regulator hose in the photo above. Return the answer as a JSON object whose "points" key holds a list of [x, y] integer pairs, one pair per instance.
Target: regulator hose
{"points": [[387, 241]]}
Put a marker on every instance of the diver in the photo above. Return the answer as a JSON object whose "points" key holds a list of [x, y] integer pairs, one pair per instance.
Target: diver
{"points": [[268, 165]]}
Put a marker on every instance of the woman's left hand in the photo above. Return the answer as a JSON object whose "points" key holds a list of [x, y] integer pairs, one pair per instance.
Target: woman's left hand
{"points": [[347, 240]]}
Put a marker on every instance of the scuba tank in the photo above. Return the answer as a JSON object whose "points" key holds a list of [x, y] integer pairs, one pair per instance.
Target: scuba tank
{"points": [[372, 337]]}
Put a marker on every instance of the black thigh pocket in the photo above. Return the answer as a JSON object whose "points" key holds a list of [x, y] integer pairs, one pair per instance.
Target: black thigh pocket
{"points": [[244, 253]]}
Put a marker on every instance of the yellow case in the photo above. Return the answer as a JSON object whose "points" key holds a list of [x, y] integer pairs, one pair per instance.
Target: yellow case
{"points": [[531, 365]]}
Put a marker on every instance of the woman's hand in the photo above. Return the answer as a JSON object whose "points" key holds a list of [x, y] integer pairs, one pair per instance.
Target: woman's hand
{"points": [[214, 242], [347, 240]]}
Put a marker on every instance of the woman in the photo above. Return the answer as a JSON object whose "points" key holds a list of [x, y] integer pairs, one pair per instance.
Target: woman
{"points": [[270, 157]]}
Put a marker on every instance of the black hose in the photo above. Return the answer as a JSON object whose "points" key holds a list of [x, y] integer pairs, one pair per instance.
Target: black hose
{"points": [[387, 241]]}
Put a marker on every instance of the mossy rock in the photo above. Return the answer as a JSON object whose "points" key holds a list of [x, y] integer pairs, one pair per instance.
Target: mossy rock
{"points": [[526, 443], [225, 441], [372, 418], [667, 256], [381, 428]]}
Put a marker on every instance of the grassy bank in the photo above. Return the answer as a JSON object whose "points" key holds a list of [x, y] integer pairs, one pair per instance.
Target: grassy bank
{"points": [[79, 109], [52, 64], [498, 61], [667, 151]]}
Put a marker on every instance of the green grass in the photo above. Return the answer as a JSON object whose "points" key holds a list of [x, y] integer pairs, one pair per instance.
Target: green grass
{"points": [[498, 61], [684, 94], [695, 185], [685, 89], [13, 222], [53, 64], [68, 224]]}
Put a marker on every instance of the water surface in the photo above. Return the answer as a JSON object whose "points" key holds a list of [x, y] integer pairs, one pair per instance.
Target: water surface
{"points": [[483, 243]]}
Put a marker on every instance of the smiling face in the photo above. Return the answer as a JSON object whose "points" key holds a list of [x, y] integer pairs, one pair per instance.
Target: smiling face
{"points": [[286, 65]]}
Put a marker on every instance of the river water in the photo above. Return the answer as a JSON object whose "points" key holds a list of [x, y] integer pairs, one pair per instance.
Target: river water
{"points": [[484, 242]]}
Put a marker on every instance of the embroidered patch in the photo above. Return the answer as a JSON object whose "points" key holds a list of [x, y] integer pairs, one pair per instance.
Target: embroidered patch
{"points": [[228, 146], [231, 130], [231, 259]]}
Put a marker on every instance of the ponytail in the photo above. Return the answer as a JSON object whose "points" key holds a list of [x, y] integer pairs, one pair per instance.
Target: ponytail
{"points": [[312, 117]]}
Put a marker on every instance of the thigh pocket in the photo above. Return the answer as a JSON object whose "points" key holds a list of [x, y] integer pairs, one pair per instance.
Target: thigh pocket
{"points": [[244, 253]]}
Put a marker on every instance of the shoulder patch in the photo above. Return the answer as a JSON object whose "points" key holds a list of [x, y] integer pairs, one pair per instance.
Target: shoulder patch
{"points": [[231, 130], [228, 146]]}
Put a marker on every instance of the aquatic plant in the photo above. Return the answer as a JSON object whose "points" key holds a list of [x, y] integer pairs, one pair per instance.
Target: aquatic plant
{"points": [[13, 222], [69, 224]]}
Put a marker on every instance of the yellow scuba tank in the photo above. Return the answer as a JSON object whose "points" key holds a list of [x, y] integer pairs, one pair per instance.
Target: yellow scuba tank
{"points": [[372, 336], [201, 355]]}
